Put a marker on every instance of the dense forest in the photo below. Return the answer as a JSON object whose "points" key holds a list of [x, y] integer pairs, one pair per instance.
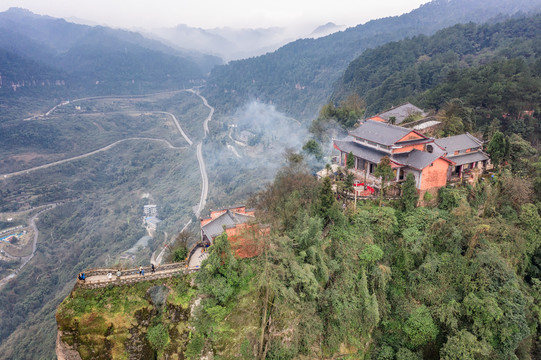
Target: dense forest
{"points": [[494, 70], [299, 77], [458, 279]]}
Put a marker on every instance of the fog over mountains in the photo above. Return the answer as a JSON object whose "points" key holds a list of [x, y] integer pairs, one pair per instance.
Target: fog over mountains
{"points": [[227, 43], [296, 77], [299, 76], [233, 44], [86, 57]]}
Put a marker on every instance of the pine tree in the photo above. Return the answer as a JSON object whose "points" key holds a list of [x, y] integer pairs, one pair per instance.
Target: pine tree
{"points": [[409, 198], [350, 161], [385, 172], [326, 198], [498, 148]]}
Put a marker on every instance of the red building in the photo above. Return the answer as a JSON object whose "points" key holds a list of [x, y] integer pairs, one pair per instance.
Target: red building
{"points": [[239, 225], [433, 162]]}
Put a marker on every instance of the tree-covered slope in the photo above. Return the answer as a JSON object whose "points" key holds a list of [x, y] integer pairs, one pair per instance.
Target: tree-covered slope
{"points": [[17, 71], [396, 71], [96, 60], [102, 57], [455, 280], [299, 77]]}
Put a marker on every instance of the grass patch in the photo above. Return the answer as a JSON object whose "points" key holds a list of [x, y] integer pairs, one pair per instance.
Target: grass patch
{"points": [[98, 321]]}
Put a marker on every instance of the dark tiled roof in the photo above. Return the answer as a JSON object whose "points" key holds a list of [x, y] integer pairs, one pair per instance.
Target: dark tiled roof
{"points": [[401, 112], [468, 158], [414, 142], [416, 159], [380, 132], [348, 145], [458, 142], [227, 219]]}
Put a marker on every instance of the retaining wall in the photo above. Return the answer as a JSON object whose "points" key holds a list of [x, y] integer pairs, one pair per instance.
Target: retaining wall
{"points": [[131, 276]]}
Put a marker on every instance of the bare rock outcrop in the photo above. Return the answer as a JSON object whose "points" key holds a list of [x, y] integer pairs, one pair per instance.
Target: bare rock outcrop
{"points": [[65, 351]]}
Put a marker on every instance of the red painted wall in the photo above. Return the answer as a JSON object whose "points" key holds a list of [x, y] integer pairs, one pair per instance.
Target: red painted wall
{"points": [[435, 175]]}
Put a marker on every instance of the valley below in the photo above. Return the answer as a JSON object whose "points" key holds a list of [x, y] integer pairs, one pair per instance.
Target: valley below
{"points": [[83, 197], [80, 173]]}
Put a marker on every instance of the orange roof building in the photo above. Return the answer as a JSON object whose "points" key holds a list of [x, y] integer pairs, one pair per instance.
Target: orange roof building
{"points": [[239, 225], [433, 162], [398, 114]]}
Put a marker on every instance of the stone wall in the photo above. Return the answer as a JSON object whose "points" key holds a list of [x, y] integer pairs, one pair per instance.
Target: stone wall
{"points": [[128, 276]]}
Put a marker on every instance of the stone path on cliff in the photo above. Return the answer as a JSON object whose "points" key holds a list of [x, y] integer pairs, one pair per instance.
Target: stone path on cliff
{"points": [[96, 278], [197, 258]]}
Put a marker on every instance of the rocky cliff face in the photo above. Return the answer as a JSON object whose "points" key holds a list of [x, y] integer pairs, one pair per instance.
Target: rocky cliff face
{"points": [[141, 321], [65, 351]]}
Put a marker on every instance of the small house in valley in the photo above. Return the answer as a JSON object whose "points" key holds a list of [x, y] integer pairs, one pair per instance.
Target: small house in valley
{"points": [[150, 210]]}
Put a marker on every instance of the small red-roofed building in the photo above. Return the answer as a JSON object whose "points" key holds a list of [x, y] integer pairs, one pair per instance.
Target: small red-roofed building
{"points": [[240, 226], [398, 114]]}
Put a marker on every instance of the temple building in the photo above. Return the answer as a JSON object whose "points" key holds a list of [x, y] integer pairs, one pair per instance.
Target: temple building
{"points": [[398, 114], [433, 162]]}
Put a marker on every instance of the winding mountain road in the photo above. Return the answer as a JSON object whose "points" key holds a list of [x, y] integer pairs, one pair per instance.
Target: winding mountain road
{"points": [[209, 117], [26, 259], [105, 148], [177, 124], [50, 111], [202, 167], [204, 179], [199, 152]]}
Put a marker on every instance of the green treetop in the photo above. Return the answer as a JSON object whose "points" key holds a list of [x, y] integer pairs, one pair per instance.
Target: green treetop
{"points": [[385, 172]]}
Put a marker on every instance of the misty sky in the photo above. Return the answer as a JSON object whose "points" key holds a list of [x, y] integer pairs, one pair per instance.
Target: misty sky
{"points": [[217, 13]]}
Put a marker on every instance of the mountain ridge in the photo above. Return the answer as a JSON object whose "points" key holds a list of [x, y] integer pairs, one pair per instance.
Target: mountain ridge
{"points": [[299, 76], [93, 55]]}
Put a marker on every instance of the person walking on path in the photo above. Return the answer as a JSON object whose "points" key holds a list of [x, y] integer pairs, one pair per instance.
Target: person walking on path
{"points": [[143, 272], [140, 270], [118, 273], [109, 276], [153, 268]]}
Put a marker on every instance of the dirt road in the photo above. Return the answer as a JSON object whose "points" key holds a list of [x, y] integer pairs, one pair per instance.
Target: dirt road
{"points": [[105, 148], [26, 259], [199, 151], [177, 125]]}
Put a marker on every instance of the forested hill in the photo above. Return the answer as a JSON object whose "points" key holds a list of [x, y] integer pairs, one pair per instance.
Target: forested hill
{"points": [[495, 69], [14, 67], [299, 77], [90, 59]]}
